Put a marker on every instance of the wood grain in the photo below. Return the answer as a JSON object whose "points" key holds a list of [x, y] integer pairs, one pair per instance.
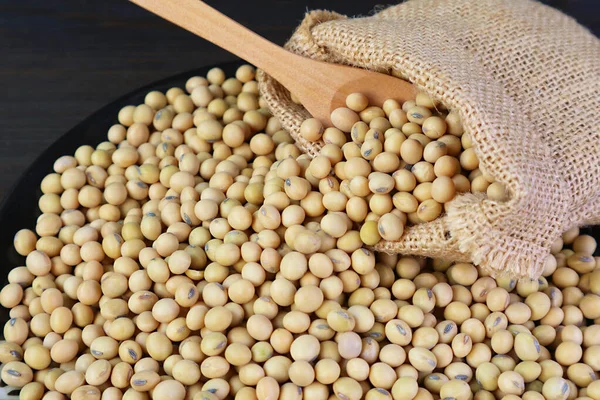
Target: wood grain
{"points": [[319, 86], [62, 60]]}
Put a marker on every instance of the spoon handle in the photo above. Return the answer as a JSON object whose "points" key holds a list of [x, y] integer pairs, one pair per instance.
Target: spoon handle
{"points": [[208, 23], [320, 87]]}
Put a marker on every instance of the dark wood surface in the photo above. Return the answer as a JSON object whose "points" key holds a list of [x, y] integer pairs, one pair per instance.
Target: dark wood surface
{"points": [[61, 60]]}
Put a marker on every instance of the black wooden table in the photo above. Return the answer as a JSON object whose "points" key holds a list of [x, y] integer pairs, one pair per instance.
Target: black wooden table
{"points": [[61, 60]]}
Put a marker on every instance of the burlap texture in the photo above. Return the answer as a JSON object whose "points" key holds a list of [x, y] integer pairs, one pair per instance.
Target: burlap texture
{"points": [[525, 79]]}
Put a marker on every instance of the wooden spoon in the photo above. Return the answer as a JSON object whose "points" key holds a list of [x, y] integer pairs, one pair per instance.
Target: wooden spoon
{"points": [[320, 87]]}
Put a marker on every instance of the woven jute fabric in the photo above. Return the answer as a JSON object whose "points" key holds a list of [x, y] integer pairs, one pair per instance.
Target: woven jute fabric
{"points": [[525, 80]]}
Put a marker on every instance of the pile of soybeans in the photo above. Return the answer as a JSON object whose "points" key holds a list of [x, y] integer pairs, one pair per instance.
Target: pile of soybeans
{"points": [[198, 255]]}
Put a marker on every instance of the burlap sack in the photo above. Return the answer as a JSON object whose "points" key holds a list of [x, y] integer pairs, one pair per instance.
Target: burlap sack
{"points": [[525, 79]]}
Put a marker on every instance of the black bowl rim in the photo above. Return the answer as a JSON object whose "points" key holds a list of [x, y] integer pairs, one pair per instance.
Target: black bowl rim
{"points": [[19, 205]]}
